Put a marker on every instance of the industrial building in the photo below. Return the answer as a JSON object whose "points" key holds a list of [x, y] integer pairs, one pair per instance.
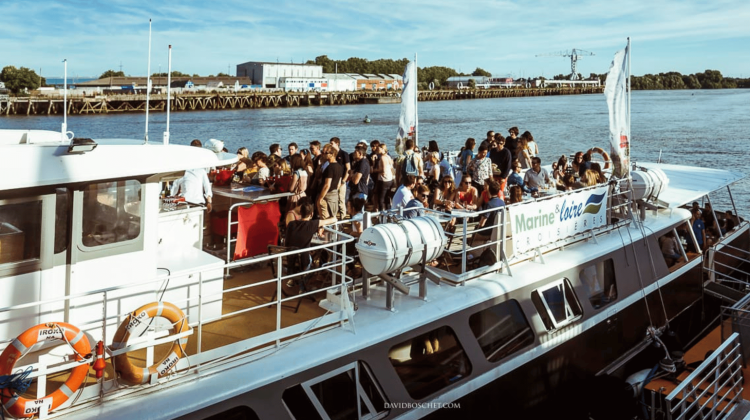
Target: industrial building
{"points": [[269, 75]]}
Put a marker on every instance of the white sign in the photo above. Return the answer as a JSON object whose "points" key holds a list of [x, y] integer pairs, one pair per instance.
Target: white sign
{"points": [[544, 222]]}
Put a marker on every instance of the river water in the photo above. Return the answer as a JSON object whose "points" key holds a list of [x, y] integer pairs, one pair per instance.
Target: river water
{"points": [[709, 128]]}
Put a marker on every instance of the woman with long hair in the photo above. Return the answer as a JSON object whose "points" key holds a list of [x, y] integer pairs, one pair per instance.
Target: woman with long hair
{"points": [[523, 154], [601, 179], [433, 147], [531, 146], [433, 175], [515, 195], [467, 195], [577, 162], [467, 155]]}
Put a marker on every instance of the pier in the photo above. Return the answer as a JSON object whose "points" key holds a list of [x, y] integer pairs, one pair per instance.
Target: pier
{"points": [[105, 104]]}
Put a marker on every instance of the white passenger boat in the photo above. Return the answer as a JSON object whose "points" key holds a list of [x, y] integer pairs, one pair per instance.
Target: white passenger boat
{"points": [[110, 308], [87, 245]]}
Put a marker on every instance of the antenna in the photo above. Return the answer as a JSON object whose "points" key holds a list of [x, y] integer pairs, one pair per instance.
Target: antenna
{"points": [[121, 66], [148, 78], [169, 94]]}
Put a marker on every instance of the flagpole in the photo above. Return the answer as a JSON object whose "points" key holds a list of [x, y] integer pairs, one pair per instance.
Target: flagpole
{"points": [[416, 100], [148, 79], [630, 134]]}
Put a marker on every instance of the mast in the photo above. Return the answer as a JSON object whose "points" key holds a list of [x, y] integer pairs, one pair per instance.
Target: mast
{"points": [[416, 100], [148, 78], [630, 134], [169, 94], [65, 100]]}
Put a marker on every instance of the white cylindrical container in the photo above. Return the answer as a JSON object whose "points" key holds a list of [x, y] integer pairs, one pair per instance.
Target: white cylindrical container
{"points": [[389, 247], [647, 185]]}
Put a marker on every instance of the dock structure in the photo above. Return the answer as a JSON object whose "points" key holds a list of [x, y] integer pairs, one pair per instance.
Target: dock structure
{"points": [[104, 104]]}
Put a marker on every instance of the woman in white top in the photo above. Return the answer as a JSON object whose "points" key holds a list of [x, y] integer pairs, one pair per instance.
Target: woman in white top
{"points": [[263, 173], [531, 146], [384, 172], [298, 185]]}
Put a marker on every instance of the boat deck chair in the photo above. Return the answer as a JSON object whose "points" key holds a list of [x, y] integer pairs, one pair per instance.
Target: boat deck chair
{"points": [[292, 264]]}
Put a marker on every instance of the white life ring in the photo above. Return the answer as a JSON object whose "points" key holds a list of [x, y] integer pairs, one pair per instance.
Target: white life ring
{"points": [[432, 85]]}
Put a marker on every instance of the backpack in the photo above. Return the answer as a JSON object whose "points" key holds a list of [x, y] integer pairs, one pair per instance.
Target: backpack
{"points": [[409, 166]]}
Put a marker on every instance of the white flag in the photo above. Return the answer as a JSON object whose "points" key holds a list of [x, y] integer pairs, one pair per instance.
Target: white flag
{"points": [[617, 101], [408, 119]]}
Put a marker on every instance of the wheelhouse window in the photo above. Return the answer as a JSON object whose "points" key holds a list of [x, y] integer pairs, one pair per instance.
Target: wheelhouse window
{"points": [[430, 362], [501, 330], [20, 231], [349, 392], [599, 281], [111, 213], [557, 304]]}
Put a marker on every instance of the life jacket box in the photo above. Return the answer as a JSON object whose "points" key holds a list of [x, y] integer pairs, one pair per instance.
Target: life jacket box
{"points": [[647, 185], [389, 247], [11, 243]]}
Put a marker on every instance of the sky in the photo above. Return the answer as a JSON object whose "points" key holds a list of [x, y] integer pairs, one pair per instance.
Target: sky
{"points": [[502, 37]]}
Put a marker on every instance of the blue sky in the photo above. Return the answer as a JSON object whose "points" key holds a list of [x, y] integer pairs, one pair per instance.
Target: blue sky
{"points": [[502, 37]]}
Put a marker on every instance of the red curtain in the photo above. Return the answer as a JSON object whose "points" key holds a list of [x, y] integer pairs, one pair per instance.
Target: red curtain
{"points": [[258, 227]]}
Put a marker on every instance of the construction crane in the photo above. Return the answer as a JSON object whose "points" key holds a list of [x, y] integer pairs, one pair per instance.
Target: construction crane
{"points": [[575, 55]]}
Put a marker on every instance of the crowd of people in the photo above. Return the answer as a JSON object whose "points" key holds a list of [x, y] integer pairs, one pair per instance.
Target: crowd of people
{"points": [[332, 178], [336, 183]]}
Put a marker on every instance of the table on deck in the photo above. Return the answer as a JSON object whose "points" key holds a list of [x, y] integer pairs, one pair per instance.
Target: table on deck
{"points": [[248, 193]]}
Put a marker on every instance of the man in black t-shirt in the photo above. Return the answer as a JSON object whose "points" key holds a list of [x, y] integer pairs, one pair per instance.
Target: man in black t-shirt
{"points": [[299, 233], [503, 159], [342, 158], [328, 199], [360, 174]]}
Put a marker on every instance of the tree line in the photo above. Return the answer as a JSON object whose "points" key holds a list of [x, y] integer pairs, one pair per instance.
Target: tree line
{"points": [[709, 79], [18, 80]]}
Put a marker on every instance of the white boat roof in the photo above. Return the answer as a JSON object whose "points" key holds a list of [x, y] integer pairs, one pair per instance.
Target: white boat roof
{"points": [[33, 158], [690, 183]]}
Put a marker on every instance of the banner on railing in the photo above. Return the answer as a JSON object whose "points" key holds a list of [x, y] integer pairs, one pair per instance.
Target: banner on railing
{"points": [[543, 222]]}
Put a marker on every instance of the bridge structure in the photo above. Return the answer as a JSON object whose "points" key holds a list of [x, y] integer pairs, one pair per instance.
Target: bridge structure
{"points": [[122, 103]]}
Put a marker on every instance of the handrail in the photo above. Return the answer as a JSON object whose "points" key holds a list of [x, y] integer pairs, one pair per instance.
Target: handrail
{"points": [[717, 381]]}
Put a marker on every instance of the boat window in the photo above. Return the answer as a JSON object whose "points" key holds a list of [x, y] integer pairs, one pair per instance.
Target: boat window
{"points": [[599, 281], [62, 219], [671, 249], [20, 231], [430, 362], [349, 392], [111, 212], [501, 330], [557, 304]]}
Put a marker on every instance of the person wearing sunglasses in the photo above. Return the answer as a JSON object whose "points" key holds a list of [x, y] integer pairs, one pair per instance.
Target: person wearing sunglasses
{"points": [[467, 195]]}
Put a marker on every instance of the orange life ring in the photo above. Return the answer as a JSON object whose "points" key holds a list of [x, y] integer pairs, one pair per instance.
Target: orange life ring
{"points": [[18, 406], [136, 375]]}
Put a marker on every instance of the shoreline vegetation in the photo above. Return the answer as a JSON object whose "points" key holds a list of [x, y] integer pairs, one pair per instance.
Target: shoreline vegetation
{"points": [[19, 80]]}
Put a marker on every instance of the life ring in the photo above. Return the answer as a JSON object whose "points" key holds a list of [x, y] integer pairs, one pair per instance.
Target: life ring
{"points": [[605, 156], [136, 375], [18, 406]]}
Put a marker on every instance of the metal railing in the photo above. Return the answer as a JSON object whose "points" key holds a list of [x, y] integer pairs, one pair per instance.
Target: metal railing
{"points": [[713, 389], [244, 349]]}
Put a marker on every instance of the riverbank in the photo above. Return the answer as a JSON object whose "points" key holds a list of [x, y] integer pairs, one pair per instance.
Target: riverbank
{"points": [[105, 104]]}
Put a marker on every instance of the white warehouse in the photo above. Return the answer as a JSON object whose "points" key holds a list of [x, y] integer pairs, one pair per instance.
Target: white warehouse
{"points": [[269, 75]]}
